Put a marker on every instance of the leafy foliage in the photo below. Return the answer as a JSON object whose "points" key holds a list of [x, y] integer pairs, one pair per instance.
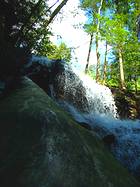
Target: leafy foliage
{"points": [[61, 52], [24, 26], [120, 29], [92, 71]]}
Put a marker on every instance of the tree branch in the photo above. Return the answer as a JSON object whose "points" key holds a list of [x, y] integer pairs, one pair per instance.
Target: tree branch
{"points": [[55, 12]]}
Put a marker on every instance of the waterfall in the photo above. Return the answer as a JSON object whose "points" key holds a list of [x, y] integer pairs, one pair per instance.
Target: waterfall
{"points": [[100, 100], [84, 93], [93, 105]]}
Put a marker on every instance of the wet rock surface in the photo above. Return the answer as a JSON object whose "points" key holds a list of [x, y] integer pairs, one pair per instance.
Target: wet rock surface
{"points": [[56, 78], [128, 104], [43, 146]]}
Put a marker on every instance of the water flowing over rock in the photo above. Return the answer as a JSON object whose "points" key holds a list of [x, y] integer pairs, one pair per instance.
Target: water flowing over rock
{"points": [[93, 106], [42, 146], [97, 99], [69, 88], [43, 71], [126, 145], [122, 136], [53, 76], [59, 80]]}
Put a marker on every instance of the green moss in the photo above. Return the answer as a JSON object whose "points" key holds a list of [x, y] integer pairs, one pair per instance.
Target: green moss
{"points": [[43, 146]]}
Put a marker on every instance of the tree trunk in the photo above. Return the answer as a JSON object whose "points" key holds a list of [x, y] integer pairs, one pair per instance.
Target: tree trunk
{"points": [[122, 80], [56, 11], [30, 27], [136, 79], [138, 26], [105, 66], [97, 44], [136, 86], [98, 62], [53, 15], [89, 52]]}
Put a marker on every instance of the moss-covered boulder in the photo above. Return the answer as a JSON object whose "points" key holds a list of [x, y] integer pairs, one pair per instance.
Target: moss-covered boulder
{"points": [[42, 146]]}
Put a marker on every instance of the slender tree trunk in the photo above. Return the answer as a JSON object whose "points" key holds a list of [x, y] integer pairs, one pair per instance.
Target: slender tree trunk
{"points": [[89, 52], [136, 85], [122, 80], [110, 71], [30, 27], [138, 26], [53, 15], [56, 11], [105, 65], [98, 61], [136, 79], [97, 45]]}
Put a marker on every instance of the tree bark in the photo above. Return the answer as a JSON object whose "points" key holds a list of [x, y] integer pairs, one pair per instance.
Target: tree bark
{"points": [[89, 52], [136, 85], [122, 80], [136, 78], [105, 66], [97, 45], [138, 27], [98, 61]]}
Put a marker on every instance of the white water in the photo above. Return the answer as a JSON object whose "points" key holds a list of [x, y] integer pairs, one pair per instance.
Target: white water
{"points": [[99, 97], [94, 98], [101, 115], [93, 105]]}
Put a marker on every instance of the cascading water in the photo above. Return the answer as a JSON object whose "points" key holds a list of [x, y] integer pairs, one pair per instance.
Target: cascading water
{"points": [[100, 100], [93, 104], [84, 93]]}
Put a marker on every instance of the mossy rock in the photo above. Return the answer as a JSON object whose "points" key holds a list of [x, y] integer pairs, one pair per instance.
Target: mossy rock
{"points": [[42, 146]]}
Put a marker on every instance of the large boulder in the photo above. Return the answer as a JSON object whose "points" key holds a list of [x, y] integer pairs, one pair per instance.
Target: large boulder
{"points": [[43, 71], [42, 146], [58, 80]]}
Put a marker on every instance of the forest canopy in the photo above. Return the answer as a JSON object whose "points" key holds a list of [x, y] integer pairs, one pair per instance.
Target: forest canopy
{"points": [[27, 24], [117, 24]]}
